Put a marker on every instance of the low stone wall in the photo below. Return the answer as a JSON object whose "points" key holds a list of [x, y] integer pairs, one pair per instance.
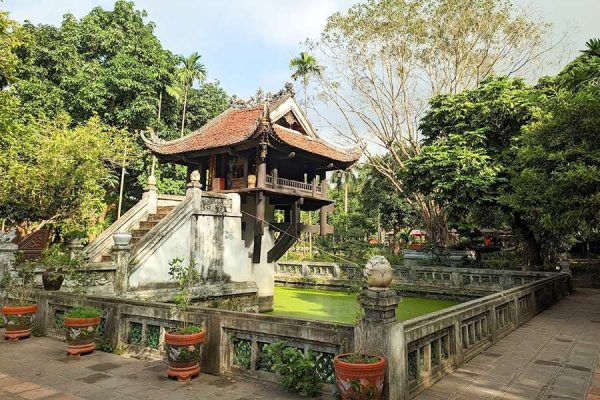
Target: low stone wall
{"points": [[418, 351], [440, 342], [235, 341], [413, 280]]}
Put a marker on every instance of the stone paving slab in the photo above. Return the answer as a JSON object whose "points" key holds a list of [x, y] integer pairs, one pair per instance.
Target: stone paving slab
{"points": [[556, 355], [37, 368]]}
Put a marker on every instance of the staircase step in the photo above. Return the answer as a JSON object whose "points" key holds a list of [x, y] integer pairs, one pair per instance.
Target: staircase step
{"points": [[106, 258], [155, 217], [164, 209], [148, 224]]}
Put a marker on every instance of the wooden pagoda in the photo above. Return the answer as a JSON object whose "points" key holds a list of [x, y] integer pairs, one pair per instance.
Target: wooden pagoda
{"points": [[272, 157]]}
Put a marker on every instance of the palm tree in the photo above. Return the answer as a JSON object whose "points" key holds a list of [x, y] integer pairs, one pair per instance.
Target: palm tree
{"points": [[341, 179], [190, 70], [305, 65], [585, 71]]}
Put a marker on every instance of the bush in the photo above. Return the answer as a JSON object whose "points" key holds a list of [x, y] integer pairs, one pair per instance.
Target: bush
{"points": [[83, 312], [297, 373]]}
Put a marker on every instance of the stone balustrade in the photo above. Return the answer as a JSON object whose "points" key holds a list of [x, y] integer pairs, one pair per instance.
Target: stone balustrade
{"points": [[418, 351]]}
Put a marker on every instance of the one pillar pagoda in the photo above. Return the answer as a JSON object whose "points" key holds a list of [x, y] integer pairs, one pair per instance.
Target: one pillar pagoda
{"points": [[271, 156]]}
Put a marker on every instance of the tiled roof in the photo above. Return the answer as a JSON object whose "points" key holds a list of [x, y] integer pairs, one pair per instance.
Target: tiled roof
{"points": [[315, 146], [234, 126], [230, 127]]}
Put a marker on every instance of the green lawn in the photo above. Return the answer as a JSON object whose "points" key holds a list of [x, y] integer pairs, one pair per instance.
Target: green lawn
{"points": [[334, 306]]}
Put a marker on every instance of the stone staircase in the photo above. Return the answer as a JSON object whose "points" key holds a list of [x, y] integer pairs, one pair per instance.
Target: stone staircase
{"points": [[144, 227]]}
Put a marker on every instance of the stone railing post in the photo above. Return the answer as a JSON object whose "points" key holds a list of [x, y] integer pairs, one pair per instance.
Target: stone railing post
{"points": [[75, 247], [8, 256], [121, 257], [151, 194], [378, 332]]}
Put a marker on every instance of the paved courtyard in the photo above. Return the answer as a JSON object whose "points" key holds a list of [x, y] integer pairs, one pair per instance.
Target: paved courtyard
{"points": [[553, 356], [37, 368]]}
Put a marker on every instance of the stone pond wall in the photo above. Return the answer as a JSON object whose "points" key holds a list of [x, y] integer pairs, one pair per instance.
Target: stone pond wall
{"points": [[418, 351], [421, 281]]}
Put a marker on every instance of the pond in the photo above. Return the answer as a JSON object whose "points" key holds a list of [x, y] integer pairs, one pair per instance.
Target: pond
{"points": [[334, 306]]}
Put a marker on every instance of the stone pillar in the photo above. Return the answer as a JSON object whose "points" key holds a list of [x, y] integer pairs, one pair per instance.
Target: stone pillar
{"points": [[75, 247], [8, 256], [121, 256], [152, 194], [194, 186], [378, 332], [379, 304]]}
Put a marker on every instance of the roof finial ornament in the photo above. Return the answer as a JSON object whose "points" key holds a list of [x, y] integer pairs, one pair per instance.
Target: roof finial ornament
{"points": [[265, 121]]}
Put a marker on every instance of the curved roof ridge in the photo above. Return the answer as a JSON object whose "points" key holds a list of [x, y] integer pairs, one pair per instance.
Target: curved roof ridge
{"points": [[329, 150]]}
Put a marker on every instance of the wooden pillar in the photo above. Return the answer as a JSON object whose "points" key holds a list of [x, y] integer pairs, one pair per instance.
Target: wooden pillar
{"points": [[245, 172], [258, 227], [262, 174], [202, 170], [274, 174], [323, 176], [323, 211]]}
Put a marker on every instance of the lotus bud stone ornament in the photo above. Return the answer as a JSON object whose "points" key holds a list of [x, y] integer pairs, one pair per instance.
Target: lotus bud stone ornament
{"points": [[379, 272]]}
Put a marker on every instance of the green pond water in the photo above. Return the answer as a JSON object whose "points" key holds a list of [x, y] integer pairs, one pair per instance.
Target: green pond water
{"points": [[327, 305]]}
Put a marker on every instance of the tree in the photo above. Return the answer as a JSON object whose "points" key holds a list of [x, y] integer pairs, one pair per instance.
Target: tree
{"points": [[468, 152], [393, 212], [341, 179], [108, 63], [585, 69], [384, 58], [305, 66], [190, 70], [11, 37], [556, 176], [56, 175]]}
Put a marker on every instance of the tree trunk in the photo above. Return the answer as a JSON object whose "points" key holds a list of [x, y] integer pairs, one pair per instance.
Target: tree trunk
{"points": [[305, 83], [345, 198], [184, 108], [535, 261], [159, 105]]}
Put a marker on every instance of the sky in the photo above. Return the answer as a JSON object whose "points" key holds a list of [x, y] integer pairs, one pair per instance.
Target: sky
{"points": [[247, 44]]}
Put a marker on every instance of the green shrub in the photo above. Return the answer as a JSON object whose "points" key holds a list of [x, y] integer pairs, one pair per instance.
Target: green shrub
{"points": [[297, 373], [83, 312]]}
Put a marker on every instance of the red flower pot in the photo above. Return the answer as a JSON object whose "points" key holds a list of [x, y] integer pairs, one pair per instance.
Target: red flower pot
{"points": [[18, 321], [81, 335], [183, 354], [359, 381]]}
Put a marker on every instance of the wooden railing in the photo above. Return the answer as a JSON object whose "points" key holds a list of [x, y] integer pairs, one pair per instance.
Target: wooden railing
{"points": [[292, 184]]}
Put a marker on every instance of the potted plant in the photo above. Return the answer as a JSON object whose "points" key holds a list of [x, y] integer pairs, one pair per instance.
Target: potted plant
{"points": [[183, 344], [52, 279], [20, 315], [81, 324], [359, 376]]}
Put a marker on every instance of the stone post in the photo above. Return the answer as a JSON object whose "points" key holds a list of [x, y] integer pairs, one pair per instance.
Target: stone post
{"points": [[8, 256], [152, 194], [378, 332], [121, 256], [75, 247]]}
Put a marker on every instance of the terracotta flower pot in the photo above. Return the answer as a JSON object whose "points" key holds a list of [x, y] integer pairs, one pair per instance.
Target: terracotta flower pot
{"points": [[359, 381], [183, 354], [18, 321], [81, 335]]}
